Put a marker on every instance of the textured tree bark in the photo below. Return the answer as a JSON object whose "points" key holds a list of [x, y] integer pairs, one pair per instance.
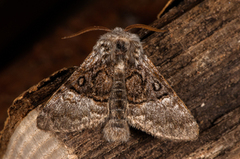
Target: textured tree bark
{"points": [[199, 57]]}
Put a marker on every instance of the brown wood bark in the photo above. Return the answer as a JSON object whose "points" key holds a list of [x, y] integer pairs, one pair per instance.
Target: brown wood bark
{"points": [[199, 56]]}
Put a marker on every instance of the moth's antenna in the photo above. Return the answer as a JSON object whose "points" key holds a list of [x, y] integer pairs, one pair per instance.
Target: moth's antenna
{"points": [[164, 8], [142, 26], [87, 30]]}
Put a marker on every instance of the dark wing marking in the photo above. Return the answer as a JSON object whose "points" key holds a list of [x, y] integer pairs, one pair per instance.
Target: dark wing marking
{"points": [[154, 107]]}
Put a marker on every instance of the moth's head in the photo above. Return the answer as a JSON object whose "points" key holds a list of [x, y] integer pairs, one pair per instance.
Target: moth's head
{"points": [[118, 41]]}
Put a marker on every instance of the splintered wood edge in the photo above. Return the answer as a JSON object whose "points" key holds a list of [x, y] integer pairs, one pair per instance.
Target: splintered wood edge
{"points": [[29, 100]]}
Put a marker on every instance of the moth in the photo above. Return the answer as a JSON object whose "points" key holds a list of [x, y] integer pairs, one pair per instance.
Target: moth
{"points": [[117, 86]]}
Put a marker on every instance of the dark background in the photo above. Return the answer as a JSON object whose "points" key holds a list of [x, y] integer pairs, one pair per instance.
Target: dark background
{"points": [[30, 37]]}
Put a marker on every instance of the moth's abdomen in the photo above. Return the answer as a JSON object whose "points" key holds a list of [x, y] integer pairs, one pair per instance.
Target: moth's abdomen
{"points": [[118, 101], [117, 128]]}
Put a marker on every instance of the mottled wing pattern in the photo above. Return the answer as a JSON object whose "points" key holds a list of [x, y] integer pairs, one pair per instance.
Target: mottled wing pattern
{"points": [[82, 101], [154, 107]]}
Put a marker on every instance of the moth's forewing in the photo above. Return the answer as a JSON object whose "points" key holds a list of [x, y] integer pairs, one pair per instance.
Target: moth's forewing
{"points": [[81, 102], [156, 109]]}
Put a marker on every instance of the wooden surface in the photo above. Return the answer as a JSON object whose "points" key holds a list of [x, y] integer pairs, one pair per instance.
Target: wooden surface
{"points": [[200, 58]]}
